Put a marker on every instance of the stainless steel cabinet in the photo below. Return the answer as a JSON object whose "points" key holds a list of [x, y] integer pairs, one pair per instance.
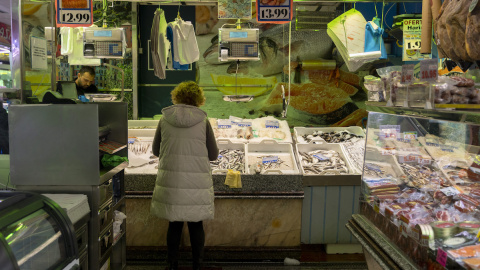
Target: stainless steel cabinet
{"points": [[59, 148]]}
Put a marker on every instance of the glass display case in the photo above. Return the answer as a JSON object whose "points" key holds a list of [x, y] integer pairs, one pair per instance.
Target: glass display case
{"points": [[35, 233], [421, 190]]}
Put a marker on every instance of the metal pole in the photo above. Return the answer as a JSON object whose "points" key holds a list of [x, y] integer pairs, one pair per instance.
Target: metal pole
{"points": [[135, 60], [16, 51]]}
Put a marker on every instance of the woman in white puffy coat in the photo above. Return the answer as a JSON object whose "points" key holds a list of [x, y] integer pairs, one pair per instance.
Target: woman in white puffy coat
{"points": [[185, 144]]}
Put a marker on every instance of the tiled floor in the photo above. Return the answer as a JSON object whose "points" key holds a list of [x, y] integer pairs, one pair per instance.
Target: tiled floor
{"points": [[311, 257]]}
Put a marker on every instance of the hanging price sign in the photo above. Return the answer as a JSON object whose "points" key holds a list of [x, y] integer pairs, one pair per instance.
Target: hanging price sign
{"points": [[407, 73], [274, 11], [429, 70], [74, 13], [412, 42]]}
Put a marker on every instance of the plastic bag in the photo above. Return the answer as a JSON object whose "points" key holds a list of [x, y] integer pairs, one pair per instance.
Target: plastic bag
{"points": [[112, 160]]}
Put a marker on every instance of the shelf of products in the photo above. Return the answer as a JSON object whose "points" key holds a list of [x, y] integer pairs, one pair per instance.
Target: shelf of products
{"points": [[420, 184]]}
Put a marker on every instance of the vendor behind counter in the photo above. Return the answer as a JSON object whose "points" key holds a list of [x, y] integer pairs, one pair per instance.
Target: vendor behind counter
{"points": [[85, 83]]}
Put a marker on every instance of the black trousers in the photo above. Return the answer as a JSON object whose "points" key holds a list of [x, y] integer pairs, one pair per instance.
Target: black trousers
{"points": [[197, 240]]}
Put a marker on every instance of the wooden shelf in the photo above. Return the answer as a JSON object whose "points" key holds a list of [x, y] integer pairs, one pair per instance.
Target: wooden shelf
{"points": [[111, 147]]}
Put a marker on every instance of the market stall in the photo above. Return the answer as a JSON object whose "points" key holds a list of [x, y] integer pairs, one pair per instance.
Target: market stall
{"points": [[419, 189]]}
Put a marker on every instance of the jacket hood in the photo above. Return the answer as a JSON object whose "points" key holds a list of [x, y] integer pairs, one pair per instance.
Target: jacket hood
{"points": [[183, 116]]}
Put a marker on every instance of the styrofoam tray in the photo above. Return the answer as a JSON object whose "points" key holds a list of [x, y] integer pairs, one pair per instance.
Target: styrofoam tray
{"points": [[227, 144], [389, 162], [330, 146], [142, 128], [260, 131], [271, 147], [298, 132]]}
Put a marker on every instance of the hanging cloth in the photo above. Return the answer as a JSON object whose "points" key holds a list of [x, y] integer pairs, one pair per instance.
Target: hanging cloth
{"points": [[373, 38], [159, 45], [172, 64], [186, 46]]}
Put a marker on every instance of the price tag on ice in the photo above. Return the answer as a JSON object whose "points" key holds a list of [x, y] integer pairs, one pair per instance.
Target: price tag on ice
{"points": [[429, 70], [442, 257], [269, 159], [407, 73], [321, 157], [274, 11], [74, 13]]}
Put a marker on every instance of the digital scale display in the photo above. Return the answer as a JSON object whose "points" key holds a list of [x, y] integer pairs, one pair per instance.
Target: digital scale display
{"points": [[102, 33], [238, 35]]}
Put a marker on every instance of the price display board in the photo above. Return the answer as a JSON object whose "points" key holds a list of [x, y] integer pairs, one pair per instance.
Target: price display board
{"points": [[412, 42], [429, 70], [74, 13], [5, 34], [274, 11]]}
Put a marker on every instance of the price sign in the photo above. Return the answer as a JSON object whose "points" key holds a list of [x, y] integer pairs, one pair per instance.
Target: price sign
{"points": [[74, 13], [274, 11], [388, 152], [429, 70], [5, 34], [442, 257], [412, 42], [450, 191], [407, 73]]}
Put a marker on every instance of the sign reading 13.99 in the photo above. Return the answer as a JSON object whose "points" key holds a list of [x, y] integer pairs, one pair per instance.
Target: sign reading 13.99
{"points": [[74, 13], [274, 11]]}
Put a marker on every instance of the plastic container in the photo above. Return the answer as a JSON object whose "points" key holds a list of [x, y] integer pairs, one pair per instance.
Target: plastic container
{"points": [[298, 132], [229, 145], [330, 146], [271, 148]]}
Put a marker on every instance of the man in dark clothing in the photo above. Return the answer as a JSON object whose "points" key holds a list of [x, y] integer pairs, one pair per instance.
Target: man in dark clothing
{"points": [[85, 81]]}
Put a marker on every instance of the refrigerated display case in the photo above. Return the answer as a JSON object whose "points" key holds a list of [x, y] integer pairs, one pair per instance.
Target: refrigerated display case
{"points": [[420, 189], [35, 233]]}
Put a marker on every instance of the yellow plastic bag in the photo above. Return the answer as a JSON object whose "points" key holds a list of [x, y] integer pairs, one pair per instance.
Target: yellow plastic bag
{"points": [[233, 179]]}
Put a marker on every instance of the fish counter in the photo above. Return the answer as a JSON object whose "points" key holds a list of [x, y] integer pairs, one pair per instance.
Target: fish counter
{"points": [[275, 168]]}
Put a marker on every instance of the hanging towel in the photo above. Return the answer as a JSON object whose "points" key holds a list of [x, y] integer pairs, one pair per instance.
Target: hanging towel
{"points": [[159, 45], [172, 64], [66, 39], [77, 58], [373, 38], [186, 46]]}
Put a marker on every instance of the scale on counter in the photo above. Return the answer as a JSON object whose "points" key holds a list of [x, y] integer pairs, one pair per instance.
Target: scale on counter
{"points": [[104, 43], [240, 45]]}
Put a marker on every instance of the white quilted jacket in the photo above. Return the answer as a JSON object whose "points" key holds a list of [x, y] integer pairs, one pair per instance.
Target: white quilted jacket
{"points": [[184, 188]]}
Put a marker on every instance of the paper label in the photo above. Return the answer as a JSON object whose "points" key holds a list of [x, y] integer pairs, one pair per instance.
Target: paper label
{"points": [[271, 159], [224, 123], [38, 48], [244, 124], [429, 70], [450, 191], [389, 131], [442, 257], [388, 152], [74, 13], [408, 159], [274, 11], [410, 135], [321, 157], [403, 227], [407, 73], [412, 41], [272, 124], [424, 161]]}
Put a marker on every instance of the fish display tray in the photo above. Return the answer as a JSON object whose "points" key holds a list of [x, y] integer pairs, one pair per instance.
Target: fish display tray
{"points": [[224, 144], [352, 178], [284, 151], [260, 131], [389, 162], [142, 128], [298, 132]]}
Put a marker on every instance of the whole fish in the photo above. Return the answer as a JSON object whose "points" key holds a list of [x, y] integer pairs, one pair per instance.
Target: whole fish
{"points": [[274, 48]]}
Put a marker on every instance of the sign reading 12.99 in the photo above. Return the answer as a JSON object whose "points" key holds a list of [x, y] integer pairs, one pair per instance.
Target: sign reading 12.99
{"points": [[274, 11], [74, 13]]}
